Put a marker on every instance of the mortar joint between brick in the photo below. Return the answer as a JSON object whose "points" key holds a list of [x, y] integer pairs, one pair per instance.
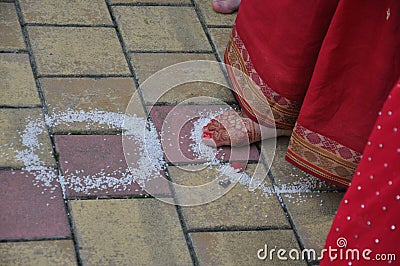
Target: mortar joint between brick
{"points": [[126, 54], [69, 25], [13, 51], [33, 239], [153, 4], [189, 241], [45, 111], [287, 214]]}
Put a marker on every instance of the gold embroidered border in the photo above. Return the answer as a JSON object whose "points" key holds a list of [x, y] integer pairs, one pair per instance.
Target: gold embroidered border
{"points": [[322, 156], [284, 114]]}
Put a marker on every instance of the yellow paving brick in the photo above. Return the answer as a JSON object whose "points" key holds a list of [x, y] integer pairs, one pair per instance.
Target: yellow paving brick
{"points": [[17, 86], [147, 64], [220, 37], [241, 247], [66, 12], [86, 94], [189, 93], [56, 252], [240, 207], [213, 18], [13, 125], [75, 50], [161, 28], [129, 232], [313, 215], [10, 30]]}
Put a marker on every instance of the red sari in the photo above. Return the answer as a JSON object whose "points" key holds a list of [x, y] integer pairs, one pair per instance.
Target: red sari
{"points": [[325, 67], [368, 221]]}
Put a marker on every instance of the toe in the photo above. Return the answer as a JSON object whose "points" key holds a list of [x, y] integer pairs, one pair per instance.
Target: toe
{"points": [[215, 138], [223, 6], [207, 135], [208, 139]]}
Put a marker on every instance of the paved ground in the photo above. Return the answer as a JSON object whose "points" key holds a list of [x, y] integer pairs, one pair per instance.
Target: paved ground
{"points": [[59, 61]]}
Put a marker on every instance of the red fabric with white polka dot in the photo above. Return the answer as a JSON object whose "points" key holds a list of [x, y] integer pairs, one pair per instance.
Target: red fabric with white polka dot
{"points": [[369, 214]]}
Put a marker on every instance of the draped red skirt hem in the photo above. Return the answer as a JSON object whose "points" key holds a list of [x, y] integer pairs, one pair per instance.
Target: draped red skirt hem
{"points": [[324, 68]]}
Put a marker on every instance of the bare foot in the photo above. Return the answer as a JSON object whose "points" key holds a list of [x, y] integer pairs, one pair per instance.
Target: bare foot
{"points": [[236, 129], [225, 6]]}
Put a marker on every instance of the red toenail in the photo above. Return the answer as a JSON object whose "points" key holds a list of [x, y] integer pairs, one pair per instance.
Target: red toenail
{"points": [[207, 135], [205, 128]]}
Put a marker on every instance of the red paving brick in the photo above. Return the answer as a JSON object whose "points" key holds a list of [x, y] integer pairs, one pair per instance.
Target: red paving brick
{"points": [[91, 155], [176, 123], [28, 211]]}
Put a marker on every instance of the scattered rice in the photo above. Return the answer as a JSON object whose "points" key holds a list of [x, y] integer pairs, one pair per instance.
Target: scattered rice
{"points": [[150, 153]]}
